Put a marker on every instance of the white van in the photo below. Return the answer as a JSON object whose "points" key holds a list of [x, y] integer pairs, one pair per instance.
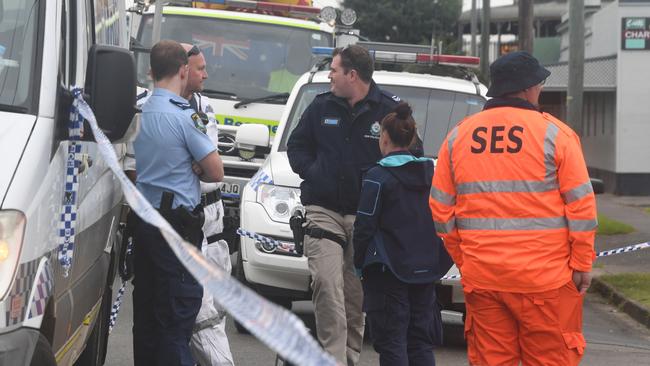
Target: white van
{"points": [[51, 315], [272, 196]]}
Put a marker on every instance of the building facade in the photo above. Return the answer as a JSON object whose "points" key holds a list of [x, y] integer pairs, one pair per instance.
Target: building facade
{"points": [[615, 127]]}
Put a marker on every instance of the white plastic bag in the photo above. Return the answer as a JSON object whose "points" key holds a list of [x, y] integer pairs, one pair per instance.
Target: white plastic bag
{"points": [[209, 342]]}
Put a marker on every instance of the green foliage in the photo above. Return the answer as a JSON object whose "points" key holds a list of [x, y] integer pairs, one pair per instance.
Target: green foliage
{"points": [[607, 226], [633, 285], [408, 21]]}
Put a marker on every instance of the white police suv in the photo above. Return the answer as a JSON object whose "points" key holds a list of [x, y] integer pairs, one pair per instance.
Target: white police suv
{"points": [[273, 194]]}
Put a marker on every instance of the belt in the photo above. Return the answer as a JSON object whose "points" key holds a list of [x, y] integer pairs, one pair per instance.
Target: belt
{"points": [[318, 233], [210, 197], [216, 237]]}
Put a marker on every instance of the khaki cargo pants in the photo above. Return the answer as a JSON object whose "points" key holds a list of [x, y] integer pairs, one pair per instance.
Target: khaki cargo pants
{"points": [[338, 295]]}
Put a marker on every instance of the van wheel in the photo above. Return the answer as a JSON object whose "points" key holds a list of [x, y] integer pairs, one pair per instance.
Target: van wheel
{"points": [[95, 352], [43, 355]]}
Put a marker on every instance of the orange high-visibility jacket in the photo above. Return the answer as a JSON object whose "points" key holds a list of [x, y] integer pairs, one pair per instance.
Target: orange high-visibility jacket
{"points": [[512, 200]]}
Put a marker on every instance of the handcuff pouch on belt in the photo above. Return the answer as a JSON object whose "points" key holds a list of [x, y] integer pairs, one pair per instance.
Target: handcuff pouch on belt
{"points": [[190, 221]]}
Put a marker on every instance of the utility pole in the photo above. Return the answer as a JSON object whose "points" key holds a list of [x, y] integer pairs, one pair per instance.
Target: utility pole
{"points": [[576, 63], [473, 26], [526, 25], [485, 40]]}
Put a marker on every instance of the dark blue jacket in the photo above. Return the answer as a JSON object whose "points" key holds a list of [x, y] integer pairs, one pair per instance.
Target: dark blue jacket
{"points": [[394, 226], [333, 143]]}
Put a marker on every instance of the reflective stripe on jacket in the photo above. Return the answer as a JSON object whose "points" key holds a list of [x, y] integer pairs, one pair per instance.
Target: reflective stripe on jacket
{"points": [[512, 199]]}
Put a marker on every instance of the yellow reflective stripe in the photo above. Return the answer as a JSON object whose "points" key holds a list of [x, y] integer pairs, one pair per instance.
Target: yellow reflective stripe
{"points": [[536, 223], [445, 227], [508, 186], [442, 197], [577, 192], [240, 17], [86, 322], [583, 225]]}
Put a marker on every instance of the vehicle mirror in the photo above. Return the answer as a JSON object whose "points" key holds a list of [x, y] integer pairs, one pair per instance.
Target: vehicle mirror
{"points": [[598, 185], [252, 136], [111, 86]]}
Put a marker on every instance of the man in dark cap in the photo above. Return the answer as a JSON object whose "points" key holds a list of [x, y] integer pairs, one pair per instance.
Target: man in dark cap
{"points": [[512, 200]]}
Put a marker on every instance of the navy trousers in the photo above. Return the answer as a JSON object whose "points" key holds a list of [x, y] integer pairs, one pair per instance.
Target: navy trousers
{"points": [[166, 301], [404, 318]]}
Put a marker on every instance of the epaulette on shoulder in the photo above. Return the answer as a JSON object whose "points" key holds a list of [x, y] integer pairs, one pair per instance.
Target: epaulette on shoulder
{"points": [[179, 104], [391, 96], [142, 95]]}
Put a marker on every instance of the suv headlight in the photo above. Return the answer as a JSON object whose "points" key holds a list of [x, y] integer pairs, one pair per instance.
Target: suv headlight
{"points": [[12, 230], [279, 202]]}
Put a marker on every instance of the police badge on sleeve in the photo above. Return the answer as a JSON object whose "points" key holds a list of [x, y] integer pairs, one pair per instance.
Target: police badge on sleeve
{"points": [[198, 123]]}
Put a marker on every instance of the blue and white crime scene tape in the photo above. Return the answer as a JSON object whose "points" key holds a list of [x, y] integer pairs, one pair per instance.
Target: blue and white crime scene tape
{"points": [[120, 293], [68, 215], [279, 329], [289, 247]]}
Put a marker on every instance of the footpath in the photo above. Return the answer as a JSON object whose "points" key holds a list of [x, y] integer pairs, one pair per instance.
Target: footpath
{"points": [[630, 211]]}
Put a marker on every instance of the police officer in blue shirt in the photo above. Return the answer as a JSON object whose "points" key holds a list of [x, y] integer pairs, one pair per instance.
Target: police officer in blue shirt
{"points": [[166, 297]]}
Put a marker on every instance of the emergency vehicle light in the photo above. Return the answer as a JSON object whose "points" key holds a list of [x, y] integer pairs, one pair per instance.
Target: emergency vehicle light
{"points": [[261, 6], [449, 60], [409, 57]]}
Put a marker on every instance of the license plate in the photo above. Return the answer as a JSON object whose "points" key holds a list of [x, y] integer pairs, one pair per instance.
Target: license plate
{"points": [[230, 189]]}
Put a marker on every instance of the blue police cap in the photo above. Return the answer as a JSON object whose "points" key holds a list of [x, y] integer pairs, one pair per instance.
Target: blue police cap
{"points": [[514, 72]]}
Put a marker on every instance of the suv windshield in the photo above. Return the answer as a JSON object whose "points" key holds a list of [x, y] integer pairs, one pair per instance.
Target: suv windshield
{"points": [[18, 37], [244, 59], [435, 111]]}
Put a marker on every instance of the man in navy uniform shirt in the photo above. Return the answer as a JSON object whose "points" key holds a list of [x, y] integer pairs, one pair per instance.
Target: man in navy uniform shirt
{"points": [[336, 139]]}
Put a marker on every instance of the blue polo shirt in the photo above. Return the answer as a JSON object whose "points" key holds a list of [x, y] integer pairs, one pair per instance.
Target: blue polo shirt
{"points": [[165, 147]]}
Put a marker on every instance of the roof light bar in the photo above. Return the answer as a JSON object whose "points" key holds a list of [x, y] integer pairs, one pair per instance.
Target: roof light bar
{"points": [[449, 60], [410, 58], [394, 57], [262, 6]]}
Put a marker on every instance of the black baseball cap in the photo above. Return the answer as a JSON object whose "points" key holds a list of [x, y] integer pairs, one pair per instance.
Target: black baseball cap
{"points": [[514, 72]]}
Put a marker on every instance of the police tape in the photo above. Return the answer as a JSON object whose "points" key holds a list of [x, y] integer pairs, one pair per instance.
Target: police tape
{"points": [[629, 248], [68, 217], [269, 245], [115, 309], [279, 329]]}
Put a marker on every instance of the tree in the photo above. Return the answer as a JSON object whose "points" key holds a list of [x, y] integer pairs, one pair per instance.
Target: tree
{"points": [[408, 21]]}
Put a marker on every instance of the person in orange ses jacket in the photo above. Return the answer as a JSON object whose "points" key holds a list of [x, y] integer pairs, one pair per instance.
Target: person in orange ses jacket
{"points": [[513, 202]]}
